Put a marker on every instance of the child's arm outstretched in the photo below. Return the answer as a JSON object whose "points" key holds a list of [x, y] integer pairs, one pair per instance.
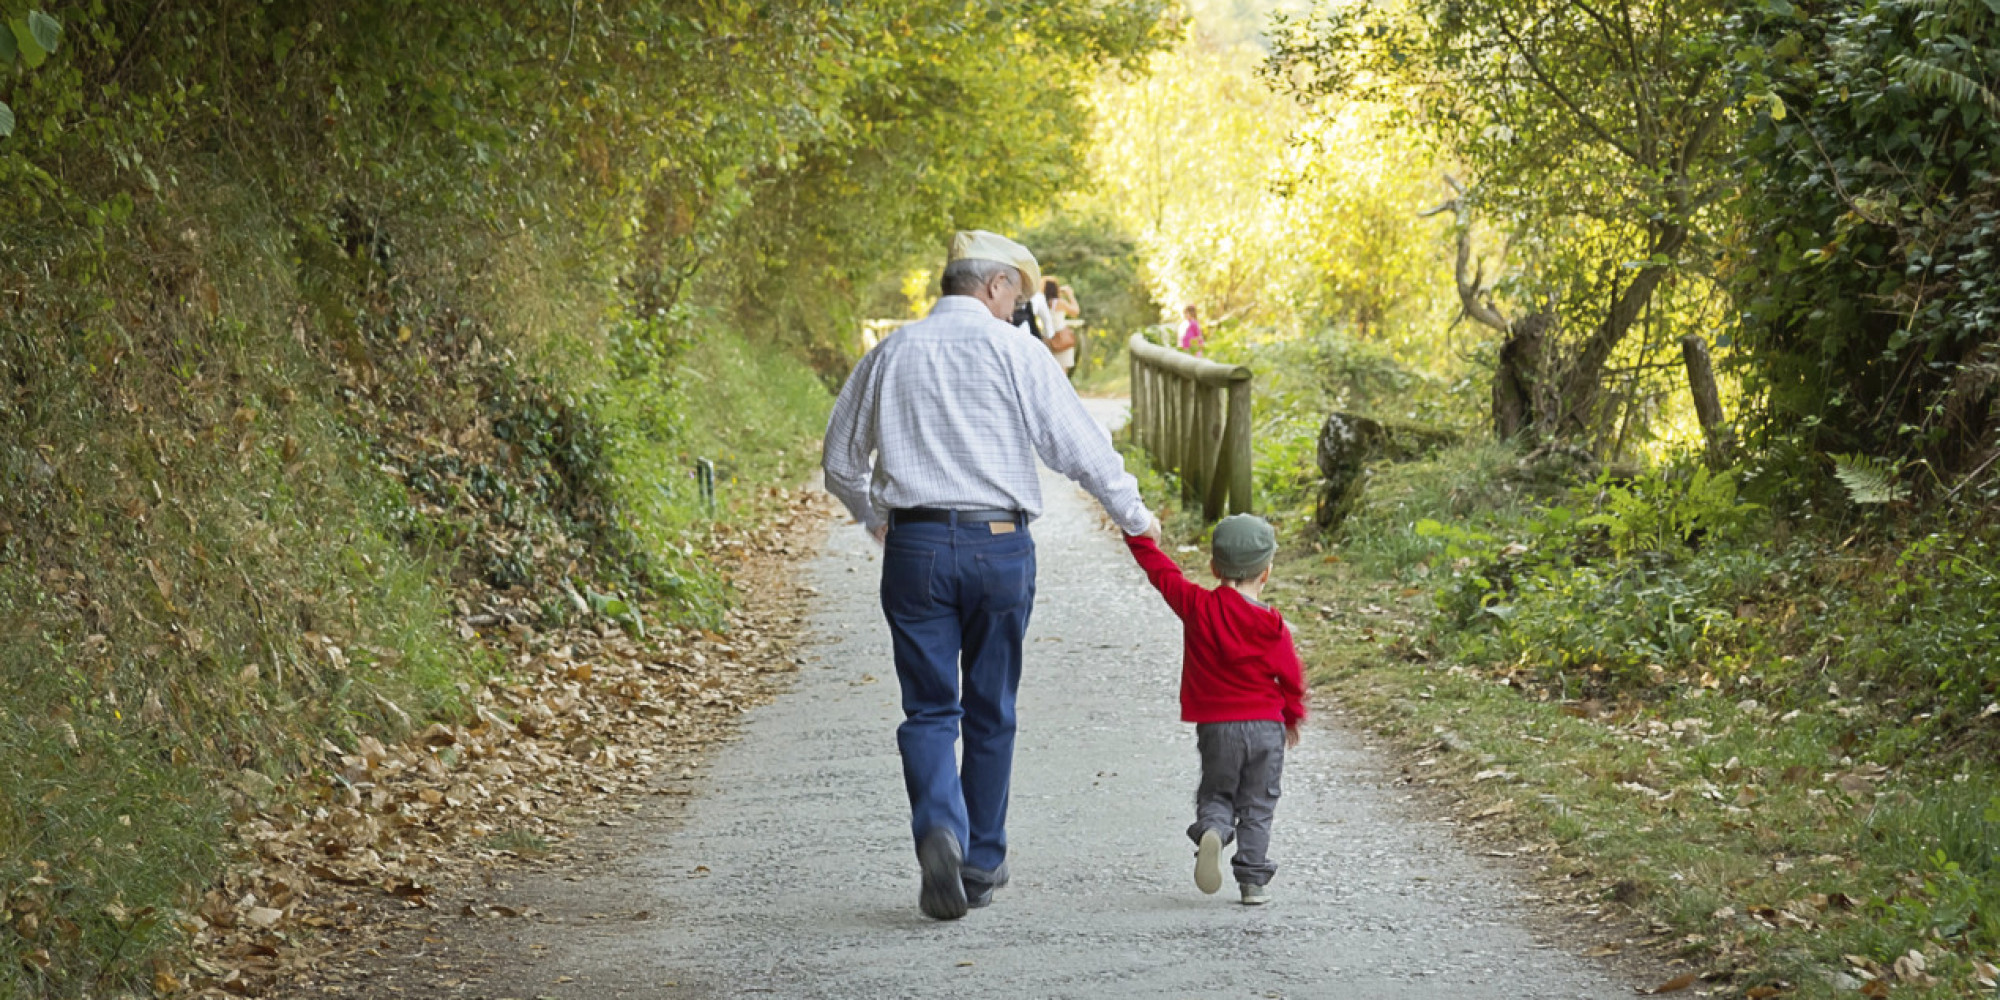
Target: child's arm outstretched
{"points": [[1164, 573]]}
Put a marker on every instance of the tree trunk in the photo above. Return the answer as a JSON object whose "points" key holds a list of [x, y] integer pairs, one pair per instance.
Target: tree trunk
{"points": [[1514, 379], [1707, 399], [1586, 376]]}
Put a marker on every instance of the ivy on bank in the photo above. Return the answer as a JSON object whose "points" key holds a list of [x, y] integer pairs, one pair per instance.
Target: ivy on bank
{"points": [[1867, 269]]}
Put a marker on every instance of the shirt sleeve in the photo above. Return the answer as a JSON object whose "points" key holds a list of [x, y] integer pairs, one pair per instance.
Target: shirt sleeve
{"points": [[1164, 573], [1072, 442], [1290, 675], [846, 456]]}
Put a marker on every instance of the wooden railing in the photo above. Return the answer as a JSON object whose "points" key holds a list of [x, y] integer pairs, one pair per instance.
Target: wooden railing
{"points": [[1192, 416]]}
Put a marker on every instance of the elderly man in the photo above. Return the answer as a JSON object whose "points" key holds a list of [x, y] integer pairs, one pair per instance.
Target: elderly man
{"points": [[954, 409]]}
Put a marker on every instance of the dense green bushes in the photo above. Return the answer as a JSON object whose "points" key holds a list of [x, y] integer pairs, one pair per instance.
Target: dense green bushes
{"points": [[311, 313], [1667, 582], [1872, 206]]}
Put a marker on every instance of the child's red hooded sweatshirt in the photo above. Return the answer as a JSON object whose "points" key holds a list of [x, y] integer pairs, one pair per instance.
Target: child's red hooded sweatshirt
{"points": [[1237, 660]]}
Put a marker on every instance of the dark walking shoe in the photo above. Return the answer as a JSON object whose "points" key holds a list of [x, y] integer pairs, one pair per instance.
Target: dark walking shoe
{"points": [[979, 885], [1208, 862], [943, 896]]}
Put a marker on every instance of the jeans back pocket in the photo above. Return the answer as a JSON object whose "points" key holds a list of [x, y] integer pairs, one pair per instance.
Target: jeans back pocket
{"points": [[906, 581], [1008, 577]]}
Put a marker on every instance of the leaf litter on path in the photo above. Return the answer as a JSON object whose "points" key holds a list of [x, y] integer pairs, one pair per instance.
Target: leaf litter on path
{"points": [[586, 719]]}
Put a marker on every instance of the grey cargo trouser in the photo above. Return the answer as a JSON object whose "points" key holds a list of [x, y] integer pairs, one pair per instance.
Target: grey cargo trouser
{"points": [[1241, 764]]}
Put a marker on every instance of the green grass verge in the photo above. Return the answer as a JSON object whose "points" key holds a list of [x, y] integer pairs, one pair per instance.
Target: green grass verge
{"points": [[756, 413], [1781, 826], [239, 528], [1790, 797]]}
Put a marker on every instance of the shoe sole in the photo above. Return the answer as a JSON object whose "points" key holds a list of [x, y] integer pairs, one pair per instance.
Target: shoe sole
{"points": [[1208, 863], [943, 895]]}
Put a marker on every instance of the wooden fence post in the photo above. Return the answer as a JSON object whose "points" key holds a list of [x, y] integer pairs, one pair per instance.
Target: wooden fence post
{"points": [[1707, 398], [1156, 396], [1153, 413], [1192, 416], [1162, 416], [1190, 443], [1162, 450], [1236, 441], [1133, 403], [1214, 466]]}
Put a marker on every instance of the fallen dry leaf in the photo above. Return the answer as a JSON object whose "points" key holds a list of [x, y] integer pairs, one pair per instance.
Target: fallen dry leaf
{"points": [[1912, 968], [586, 715], [1985, 974], [1674, 985]]}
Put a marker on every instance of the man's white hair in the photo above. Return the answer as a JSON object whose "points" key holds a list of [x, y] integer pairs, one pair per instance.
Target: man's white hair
{"points": [[964, 277]]}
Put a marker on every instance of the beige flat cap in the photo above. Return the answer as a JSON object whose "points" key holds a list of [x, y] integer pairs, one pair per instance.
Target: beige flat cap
{"points": [[978, 244]]}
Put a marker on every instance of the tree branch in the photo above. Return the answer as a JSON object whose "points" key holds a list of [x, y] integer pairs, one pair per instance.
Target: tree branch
{"points": [[1582, 383], [1464, 277], [1542, 77]]}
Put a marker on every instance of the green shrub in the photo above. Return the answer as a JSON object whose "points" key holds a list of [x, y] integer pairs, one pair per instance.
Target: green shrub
{"points": [[1588, 628], [1934, 634], [1660, 514], [1471, 489], [1301, 378], [1623, 582], [1646, 583]]}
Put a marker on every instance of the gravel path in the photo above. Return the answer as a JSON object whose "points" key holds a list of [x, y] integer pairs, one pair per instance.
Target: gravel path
{"points": [[792, 874]]}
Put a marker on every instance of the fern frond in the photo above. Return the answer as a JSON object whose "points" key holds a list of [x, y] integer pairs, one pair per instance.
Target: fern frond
{"points": [[1868, 479], [1959, 14], [1930, 77]]}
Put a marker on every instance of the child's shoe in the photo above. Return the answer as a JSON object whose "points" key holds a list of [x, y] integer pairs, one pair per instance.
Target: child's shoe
{"points": [[1208, 862], [1254, 895]]}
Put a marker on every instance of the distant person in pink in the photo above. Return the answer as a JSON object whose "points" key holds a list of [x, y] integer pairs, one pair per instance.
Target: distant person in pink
{"points": [[1191, 338]]}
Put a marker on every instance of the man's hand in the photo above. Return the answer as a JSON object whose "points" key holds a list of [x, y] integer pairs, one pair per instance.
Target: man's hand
{"points": [[880, 533], [1152, 531], [1291, 736]]}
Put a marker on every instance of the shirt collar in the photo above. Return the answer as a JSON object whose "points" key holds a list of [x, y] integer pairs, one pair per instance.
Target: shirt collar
{"points": [[1245, 598], [960, 304]]}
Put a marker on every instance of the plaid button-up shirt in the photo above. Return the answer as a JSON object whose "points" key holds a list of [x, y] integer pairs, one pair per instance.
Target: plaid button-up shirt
{"points": [[954, 408]]}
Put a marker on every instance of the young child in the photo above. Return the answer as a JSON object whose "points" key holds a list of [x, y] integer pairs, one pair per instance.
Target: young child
{"points": [[1241, 687]]}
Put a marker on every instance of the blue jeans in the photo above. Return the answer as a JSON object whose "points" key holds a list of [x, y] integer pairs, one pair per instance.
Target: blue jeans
{"points": [[957, 598]]}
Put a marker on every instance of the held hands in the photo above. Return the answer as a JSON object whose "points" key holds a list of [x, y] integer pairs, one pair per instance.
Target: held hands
{"points": [[1152, 531]]}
